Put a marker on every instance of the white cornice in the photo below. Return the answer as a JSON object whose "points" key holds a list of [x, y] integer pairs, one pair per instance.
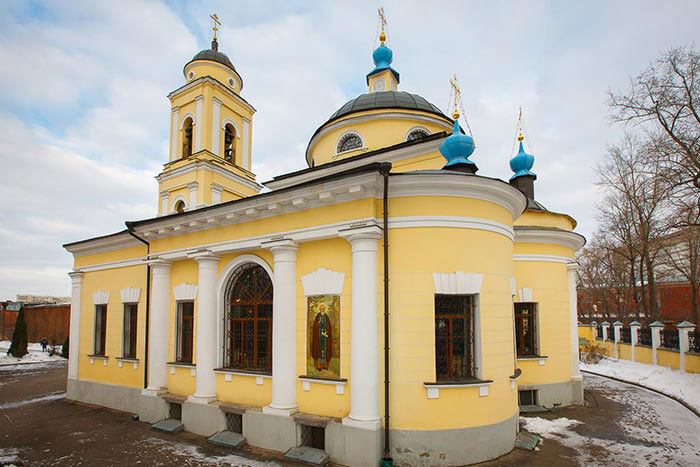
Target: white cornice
{"points": [[549, 236], [413, 150], [211, 167], [543, 258], [213, 82], [375, 116], [456, 222], [101, 245]]}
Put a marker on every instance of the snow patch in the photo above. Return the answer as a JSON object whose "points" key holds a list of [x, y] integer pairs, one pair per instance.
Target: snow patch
{"points": [[192, 452], [9, 457], [52, 397], [684, 386], [35, 355], [549, 428]]}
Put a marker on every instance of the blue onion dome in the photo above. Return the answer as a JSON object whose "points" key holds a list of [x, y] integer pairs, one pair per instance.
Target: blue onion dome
{"points": [[457, 147], [382, 56], [522, 162]]}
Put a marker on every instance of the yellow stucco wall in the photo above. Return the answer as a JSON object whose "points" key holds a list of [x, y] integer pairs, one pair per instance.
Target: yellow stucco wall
{"points": [[546, 219]]}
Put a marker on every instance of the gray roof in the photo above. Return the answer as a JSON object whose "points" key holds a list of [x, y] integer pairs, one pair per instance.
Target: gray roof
{"points": [[386, 100], [214, 56]]}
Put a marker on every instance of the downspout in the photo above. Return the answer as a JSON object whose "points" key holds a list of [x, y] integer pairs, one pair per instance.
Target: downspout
{"points": [[148, 301], [387, 461]]}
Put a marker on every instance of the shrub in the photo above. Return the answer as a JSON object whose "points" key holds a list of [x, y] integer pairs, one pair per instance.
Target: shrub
{"points": [[18, 348], [592, 353]]}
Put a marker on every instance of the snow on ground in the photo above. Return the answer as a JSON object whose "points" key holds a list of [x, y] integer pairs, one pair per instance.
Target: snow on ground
{"points": [[191, 452], [35, 355], [9, 457], [548, 428], [684, 386], [50, 397]]}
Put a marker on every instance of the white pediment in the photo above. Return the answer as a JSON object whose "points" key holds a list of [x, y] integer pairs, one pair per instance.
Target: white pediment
{"points": [[185, 292], [130, 295], [101, 297], [525, 295], [457, 283]]}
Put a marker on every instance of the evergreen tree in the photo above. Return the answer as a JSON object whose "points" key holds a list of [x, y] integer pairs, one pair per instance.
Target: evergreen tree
{"points": [[64, 350], [19, 337]]}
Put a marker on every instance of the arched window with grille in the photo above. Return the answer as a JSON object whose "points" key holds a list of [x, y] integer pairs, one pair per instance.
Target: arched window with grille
{"points": [[248, 326], [348, 142], [180, 207], [187, 138], [417, 134], [230, 143]]}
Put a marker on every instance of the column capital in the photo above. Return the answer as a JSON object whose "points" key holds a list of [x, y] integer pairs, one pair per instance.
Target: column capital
{"points": [[362, 238], [159, 264], [203, 257], [199, 98], [282, 249], [76, 277], [572, 267]]}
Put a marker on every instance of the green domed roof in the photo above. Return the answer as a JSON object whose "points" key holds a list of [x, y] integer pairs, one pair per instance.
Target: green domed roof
{"points": [[386, 100], [213, 55]]}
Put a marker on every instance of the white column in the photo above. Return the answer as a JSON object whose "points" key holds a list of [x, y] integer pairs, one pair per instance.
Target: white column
{"points": [[605, 325], [573, 320], [216, 191], [206, 327], [74, 333], [193, 195], [245, 156], [364, 346], [684, 345], [215, 126], [656, 328], [284, 329], [164, 203], [634, 335], [594, 331], [159, 327], [616, 335], [174, 133], [198, 124]]}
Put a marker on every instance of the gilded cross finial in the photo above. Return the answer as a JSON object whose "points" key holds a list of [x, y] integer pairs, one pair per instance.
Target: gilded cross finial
{"points": [[382, 20], [520, 123], [457, 93], [215, 17]]}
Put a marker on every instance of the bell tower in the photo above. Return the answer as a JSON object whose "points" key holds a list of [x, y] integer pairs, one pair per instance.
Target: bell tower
{"points": [[210, 136]]}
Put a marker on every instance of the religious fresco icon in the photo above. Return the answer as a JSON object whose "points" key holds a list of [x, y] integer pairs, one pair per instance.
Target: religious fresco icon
{"points": [[323, 331]]}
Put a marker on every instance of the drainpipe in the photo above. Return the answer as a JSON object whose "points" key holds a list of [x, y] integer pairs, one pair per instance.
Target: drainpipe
{"points": [[387, 461], [130, 229]]}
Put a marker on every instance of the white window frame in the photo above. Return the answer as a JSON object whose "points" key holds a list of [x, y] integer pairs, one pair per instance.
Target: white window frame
{"points": [[343, 135]]}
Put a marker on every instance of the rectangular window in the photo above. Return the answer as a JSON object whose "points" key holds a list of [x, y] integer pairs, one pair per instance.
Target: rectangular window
{"points": [[454, 337], [130, 324], [526, 329], [185, 331], [527, 397], [100, 329]]}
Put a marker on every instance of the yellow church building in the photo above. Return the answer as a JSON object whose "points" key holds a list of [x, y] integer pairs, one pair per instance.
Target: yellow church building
{"points": [[385, 302]]}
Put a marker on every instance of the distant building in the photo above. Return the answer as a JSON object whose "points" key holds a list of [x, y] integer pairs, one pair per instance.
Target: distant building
{"points": [[41, 299]]}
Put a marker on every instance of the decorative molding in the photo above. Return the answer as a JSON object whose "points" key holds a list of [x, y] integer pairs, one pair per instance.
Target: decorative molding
{"points": [[175, 201], [525, 295], [100, 297], [102, 244], [185, 292], [340, 138], [451, 221], [211, 167], [414, 128], [457, 283], [217, 82], [550, 236], [434, 388], [185, 117], [323, 282], [543, 258], [130, 295], [513, 290], [233, 124]]}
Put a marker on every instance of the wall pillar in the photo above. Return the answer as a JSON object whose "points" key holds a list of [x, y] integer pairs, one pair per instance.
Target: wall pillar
{"points": [[159, 327], [573, 320], [364, 347], [684, 345], [284, 329], [656, 328], [199, 102], [605, 325], [215, 125], [205, 389], [74, 332], [616, 330], [634, 335], [594, 325], [245, 156], [174, 133]]}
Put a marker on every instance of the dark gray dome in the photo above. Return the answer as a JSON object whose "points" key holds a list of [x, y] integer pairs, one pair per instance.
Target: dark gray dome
{"points": [[386, 100], [214, 56]]}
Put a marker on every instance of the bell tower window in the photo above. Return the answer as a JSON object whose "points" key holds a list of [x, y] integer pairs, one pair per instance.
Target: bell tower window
{"points": [[180, 207], [187, 138], [230, 143]]}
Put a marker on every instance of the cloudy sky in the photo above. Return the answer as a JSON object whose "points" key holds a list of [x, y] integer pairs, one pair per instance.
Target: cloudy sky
{"points": [[84, 114]]}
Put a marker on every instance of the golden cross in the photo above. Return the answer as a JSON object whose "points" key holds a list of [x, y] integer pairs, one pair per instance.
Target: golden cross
{"points": [[457, 93], [382, 18], [216, 22]]}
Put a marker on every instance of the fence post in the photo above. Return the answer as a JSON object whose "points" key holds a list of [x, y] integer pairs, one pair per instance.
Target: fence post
{"points": [[634, 335], [656, 328], [683, 345], [616, 330], [594, 324], [605, 325]]}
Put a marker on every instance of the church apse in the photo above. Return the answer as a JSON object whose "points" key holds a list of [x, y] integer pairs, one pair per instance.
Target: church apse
{"points": [[323, 334]]}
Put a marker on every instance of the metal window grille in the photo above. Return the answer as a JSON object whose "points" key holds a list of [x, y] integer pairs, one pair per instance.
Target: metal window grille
{"points": [[234, 422], [100, 329], [599, 332], [175, 411], [248, 326], [130, 330], [670, 339], [626, 335], [644, 336], [185, 331], [526, 329], [454, 336], [527, 397], [694, 341], [313, 436]]}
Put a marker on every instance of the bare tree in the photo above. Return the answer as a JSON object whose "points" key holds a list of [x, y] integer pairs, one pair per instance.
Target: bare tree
{"points": [[665, 100]]}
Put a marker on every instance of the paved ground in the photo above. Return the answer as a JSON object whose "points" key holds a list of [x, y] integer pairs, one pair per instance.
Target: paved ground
{"points": [[623, 425]]}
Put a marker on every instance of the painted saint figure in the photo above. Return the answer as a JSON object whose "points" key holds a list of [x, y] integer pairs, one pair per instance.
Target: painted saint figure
{"points": [[321, 344]]}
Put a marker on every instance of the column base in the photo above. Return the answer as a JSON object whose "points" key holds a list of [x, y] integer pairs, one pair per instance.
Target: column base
{"points": [[153, 392], [152, 407], [364, 424], [195, 399], [201, 417], [280, 412]]}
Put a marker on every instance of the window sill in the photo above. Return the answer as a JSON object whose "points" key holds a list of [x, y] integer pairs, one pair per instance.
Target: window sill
{"points": [[539, 358], [127, 359], [121, 360], [338, 154], [434, 388], [230, 372], [338, 383], [517, 374], [182, 364], [104, 359]]}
